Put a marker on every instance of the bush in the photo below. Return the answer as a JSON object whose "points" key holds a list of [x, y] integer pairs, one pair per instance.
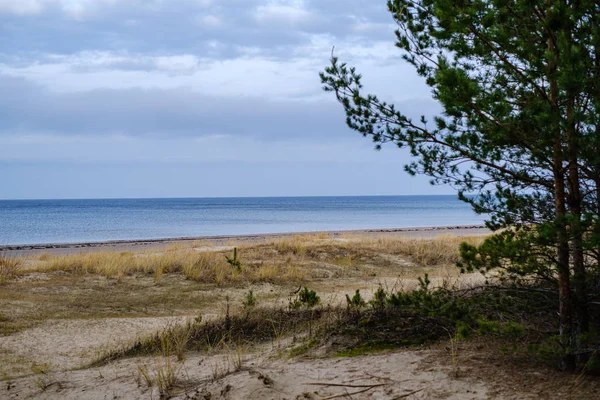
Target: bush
{"points": [[355, 301], [306, 298], [380, 299]]}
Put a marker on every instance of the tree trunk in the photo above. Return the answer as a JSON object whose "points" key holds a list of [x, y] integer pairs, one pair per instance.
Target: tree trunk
{"points": [[564, 287], [576, 233], [575, 198], [562, 239]]}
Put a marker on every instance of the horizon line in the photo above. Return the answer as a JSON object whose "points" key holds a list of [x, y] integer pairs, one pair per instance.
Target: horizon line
{"points": [[222, 197]]}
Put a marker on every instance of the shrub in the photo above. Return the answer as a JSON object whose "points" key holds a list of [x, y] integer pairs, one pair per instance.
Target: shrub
{"points": [[380, 299], [306, 298], [355, 301]]}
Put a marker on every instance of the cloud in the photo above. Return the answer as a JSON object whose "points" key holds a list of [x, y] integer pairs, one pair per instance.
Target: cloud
{"points": [[193, 86], [21, 7], [209, 21], [32, 27], [282, 13], [173, 112], [76, 9], [249, 71], [159, 113]]}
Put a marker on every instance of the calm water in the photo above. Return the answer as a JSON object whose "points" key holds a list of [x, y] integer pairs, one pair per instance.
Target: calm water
{"points": [[63, 221]]}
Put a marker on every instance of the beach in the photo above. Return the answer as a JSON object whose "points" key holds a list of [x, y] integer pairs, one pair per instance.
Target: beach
{"points": [[157, 244], [73, 315]]}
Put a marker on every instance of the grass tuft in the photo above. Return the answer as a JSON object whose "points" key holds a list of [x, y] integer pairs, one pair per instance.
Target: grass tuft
{"points": [[9, 268]]}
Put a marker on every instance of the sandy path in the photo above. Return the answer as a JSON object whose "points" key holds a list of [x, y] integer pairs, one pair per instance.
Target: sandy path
{"points": [[262, 377], [66, 344]]}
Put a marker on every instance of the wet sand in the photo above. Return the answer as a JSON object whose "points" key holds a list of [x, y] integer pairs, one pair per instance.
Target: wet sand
{"points": [[156, 244]]}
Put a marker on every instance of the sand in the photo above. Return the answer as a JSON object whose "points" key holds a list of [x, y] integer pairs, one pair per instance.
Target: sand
{"points": [[158, 244], [55, 354], [263, 377]]}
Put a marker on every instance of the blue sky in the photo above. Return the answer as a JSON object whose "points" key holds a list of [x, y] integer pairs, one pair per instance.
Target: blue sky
{"points": [[186, 98]]}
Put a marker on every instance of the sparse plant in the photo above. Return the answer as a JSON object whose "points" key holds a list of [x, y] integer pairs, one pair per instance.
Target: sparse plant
{"points": [[249, 301], [306, 298], [219, 370], [180, 336], [227, 316], [166, 372], [44, 383], [454, 351], [145, 375], [487, 327], [235, 356], [424, 283], [9, 268], [166, 377], [158, 272], [380, 299], [355, 301], [234, 261]]}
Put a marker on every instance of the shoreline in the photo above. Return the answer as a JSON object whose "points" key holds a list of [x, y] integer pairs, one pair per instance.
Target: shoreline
{"points": [[142, 244]]}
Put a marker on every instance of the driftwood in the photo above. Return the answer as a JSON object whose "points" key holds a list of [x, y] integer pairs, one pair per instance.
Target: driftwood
{"points": [[365, 388]]}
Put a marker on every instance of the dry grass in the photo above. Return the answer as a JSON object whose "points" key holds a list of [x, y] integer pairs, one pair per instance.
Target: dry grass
{"points": [[165, 373], [284, 260], [9, 268], [183, 278], [194, 280], [187, 280], [205, 267], [234, 335], [442, 250]]}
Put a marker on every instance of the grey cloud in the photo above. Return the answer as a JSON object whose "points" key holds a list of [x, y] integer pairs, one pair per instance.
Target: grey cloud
{"points": [[32, 109], [172, 27], [159, 112]]}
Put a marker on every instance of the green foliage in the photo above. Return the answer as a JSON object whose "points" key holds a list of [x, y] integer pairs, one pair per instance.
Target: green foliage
{"points": [[513, 254], [519, 136], [593, 364], [463, 331], [467, 313], [509, 330], [373, 346], [304, 348], [249, 301], [424, 283], [380, 299], [306, 298], [436, 303], [487, 327], [355, 301], [512, 330], [548, 349], [234, 261]]}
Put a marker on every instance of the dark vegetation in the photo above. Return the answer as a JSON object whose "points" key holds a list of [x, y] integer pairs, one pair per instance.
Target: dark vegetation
{"points": [[514, 319]]}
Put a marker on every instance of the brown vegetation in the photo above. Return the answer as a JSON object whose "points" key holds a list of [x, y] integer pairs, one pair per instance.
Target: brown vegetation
{"points": [[284, 260], [234, 310]]}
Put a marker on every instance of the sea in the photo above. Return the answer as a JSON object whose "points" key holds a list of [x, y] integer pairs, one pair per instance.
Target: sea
{"points": [[99, 220]]}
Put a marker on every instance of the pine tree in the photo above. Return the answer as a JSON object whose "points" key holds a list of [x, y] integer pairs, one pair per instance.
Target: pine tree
{"points": [[519, 137]]}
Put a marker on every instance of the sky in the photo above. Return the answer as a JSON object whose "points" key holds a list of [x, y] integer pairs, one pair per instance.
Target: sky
{"points": [[196, 98]]}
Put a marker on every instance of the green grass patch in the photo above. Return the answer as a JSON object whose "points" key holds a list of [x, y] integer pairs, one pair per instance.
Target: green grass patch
{"points": [[374, 346], [303, 348]]}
